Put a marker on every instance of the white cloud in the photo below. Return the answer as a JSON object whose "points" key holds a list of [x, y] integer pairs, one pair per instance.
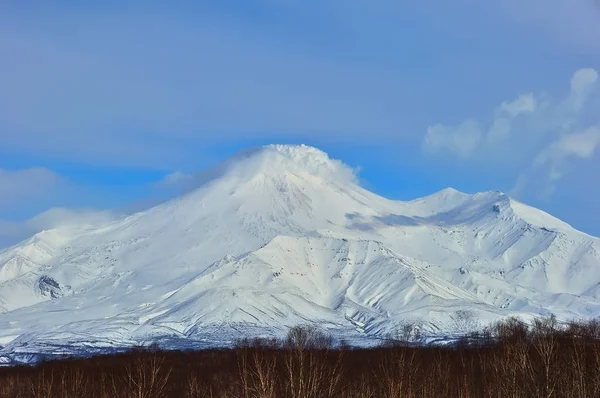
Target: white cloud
{"points": [[556, 160], [575, 145], [582, 144], [582, 85], [28, 191], [26, 184], [12, 232], [61, 216], [552, 133], [462, 140], [505, 114], [175, 179], [525, 103], [527, 113], [583, 79]]}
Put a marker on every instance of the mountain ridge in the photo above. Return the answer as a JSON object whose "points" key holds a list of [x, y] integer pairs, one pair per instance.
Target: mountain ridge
{"points": [[282, 235]]}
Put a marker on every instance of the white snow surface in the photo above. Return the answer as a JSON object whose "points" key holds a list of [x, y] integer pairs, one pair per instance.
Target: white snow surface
{"points": [[283, 235]]}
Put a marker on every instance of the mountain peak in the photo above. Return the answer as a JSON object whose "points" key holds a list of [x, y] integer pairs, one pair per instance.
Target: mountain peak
{"points": [[449, 191], [301, 154], [444, 200], [281, 234], [279, 160]]}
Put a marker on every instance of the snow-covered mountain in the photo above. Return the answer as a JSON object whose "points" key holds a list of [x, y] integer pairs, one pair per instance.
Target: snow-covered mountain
{"points": [[283, 235]]}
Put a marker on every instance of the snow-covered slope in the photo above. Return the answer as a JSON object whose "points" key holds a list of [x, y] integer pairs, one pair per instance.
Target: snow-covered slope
{"points": [[283, 235]]}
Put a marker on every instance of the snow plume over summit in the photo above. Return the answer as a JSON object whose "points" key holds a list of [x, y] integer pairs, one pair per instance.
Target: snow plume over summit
{"points": [[300, 159], [279, 161], [281, 235]]}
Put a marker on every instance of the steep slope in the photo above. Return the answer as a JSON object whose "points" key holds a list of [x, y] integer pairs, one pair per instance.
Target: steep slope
{"points": [[281, 235], [333, 281]]}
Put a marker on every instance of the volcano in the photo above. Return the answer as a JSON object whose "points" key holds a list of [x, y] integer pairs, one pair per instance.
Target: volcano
{"points": [[284, 235]]}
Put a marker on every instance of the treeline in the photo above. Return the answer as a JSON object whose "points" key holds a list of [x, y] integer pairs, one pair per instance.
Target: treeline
{"points": [[507, 359]]}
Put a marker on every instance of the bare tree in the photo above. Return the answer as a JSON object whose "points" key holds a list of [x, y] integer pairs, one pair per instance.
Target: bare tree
{"points": [[146, 377], [307, 337], [43, 385], [544, 339]]}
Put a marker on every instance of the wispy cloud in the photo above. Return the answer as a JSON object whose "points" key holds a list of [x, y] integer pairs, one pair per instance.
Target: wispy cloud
{"points": [[166, 88], [552, 132], [176, 179], [582, 85], [12, 232], [556, 156], [461, 139], [526, 114]]}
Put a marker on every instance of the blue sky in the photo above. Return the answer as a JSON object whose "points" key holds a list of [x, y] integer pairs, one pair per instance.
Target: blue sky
{"points": [[99, 103]]}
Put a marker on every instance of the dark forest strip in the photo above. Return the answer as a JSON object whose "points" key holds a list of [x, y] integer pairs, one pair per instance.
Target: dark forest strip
{"points": [[507, 359]]}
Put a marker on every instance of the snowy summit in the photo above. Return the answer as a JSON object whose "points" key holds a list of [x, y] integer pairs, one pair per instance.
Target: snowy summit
{"points": [[284, 235]]}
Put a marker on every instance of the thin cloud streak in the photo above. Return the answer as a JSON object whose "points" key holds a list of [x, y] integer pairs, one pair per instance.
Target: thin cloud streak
{"points": [[553, 133]]}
